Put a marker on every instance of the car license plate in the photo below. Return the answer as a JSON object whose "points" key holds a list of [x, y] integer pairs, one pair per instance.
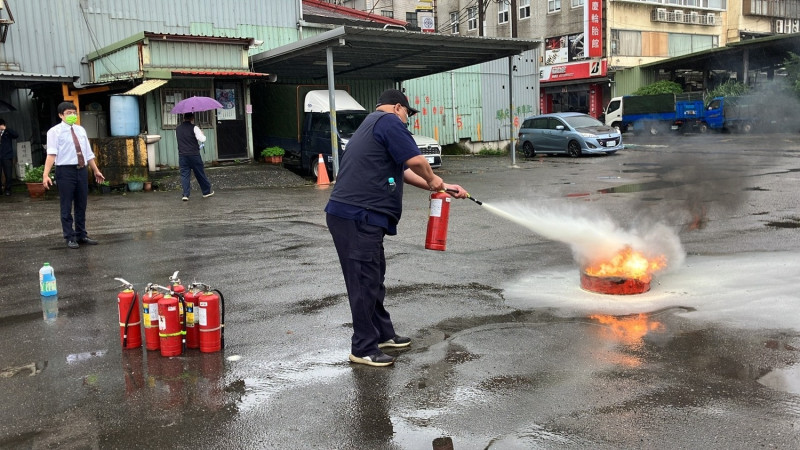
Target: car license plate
{"points": [[430, 159], [611, 143], [675, 127]]}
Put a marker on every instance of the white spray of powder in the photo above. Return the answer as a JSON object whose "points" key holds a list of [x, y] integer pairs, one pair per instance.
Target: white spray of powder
{"points": [[592, 234]]}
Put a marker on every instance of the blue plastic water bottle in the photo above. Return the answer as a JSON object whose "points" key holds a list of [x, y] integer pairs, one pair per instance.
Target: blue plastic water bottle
{"points": [[47, 281]]}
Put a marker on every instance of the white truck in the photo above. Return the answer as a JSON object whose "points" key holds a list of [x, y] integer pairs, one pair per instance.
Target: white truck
{"points": [[303, 129]]}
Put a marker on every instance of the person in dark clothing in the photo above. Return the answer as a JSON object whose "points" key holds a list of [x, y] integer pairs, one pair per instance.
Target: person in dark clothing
{"points": [[190, 138], [365, 205], [7, 155]]}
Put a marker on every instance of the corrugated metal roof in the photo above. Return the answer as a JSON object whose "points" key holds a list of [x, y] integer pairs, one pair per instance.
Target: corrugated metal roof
{"points": [[369, 53], [8, 75], [222, 73], [146, 86], [331, 11]]}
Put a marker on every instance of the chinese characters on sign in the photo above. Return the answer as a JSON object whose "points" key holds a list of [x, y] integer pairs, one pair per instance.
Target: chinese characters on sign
{"points": [[592, 28]]}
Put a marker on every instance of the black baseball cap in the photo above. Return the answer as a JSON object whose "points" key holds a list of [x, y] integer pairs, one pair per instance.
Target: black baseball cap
{"points": [[393, 97]]}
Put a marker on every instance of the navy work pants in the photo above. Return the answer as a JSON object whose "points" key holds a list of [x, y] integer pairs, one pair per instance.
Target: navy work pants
{"points": [[7, 167], [189, 164], [73, 189], [360, 249]]}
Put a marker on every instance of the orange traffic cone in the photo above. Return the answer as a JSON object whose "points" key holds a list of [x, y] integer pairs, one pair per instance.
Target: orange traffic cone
{"points": [[322, 172]]}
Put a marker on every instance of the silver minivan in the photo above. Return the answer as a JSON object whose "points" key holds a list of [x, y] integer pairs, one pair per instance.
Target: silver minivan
{"points": [[570, 133]]}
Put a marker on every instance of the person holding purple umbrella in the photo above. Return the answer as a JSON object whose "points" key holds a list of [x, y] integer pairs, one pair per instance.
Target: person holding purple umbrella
{"points": [[190, 141]]}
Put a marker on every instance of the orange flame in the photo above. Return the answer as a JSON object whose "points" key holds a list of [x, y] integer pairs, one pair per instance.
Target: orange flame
{"points": [[629, 330], [628, 263]]}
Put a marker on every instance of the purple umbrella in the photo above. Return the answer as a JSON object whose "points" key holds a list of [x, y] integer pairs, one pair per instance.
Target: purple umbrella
{"points": [[195, 104]]}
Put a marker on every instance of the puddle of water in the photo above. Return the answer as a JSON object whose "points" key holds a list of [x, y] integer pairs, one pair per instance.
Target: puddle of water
{"points": [[786, 379]]}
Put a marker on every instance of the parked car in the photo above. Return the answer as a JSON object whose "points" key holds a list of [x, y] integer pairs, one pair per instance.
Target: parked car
{"points": [[570, 133]]}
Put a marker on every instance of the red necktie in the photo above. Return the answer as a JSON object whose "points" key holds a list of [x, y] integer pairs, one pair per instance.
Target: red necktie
{"points": [[81, 161]]}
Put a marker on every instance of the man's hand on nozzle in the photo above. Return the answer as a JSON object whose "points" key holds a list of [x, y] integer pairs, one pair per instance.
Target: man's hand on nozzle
{"points": [[456, 191]]}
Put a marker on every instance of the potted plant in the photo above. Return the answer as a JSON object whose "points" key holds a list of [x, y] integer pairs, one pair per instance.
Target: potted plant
{"points": [[33, 179], [105, 188], [273, 155], [135, 182]]}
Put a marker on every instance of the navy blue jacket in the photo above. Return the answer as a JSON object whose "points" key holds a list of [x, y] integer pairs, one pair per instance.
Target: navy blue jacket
{"points": [[6, 146]]}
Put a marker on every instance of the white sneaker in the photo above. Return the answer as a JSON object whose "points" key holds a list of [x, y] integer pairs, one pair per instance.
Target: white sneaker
{"points": [[186, 199], [208, 195]]}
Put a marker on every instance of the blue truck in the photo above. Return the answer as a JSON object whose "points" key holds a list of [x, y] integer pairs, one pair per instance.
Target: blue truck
{"points": [[747, 113], [653, 114]]}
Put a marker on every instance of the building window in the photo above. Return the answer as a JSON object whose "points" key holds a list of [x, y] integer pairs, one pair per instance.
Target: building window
{"points": [[576, 3], [411, 18], [169, 97], [502, 12], [454, 22], [387, 13], [524, 9], [472, 18], [553, 6], [626, 43]]}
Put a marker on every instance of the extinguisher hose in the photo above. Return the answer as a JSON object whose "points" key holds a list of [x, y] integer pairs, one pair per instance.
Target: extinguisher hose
{"points": [[183, 323], [128, 318], [222, 318], [451, 191]]}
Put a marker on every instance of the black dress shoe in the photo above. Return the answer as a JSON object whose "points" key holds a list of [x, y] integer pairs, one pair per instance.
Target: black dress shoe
{"points": [[72, 244], [88, 241]]}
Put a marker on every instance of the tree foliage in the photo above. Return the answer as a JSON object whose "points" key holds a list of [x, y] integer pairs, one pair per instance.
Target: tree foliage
{"points": [[792, 65], [660, 87], [729, 88]]}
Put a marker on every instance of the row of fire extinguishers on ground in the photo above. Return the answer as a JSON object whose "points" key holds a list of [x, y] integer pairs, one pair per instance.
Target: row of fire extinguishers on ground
{"points": [[175, 318]]}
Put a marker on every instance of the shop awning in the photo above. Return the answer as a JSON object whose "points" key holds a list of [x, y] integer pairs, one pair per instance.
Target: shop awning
{"points": [[28, 79], [222, 73], [145, 87]]}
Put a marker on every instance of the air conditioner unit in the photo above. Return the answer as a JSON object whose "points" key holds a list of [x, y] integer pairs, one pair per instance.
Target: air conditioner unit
{"points": [[711, 19], [779, 26], [678, 15], [661, 14], [796, 26]]}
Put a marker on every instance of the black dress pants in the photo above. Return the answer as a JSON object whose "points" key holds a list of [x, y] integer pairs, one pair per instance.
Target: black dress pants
{"points": [[73, 189]]}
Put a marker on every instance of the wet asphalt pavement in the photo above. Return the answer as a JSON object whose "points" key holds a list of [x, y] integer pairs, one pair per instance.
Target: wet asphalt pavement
{"points": [[508, 352]]}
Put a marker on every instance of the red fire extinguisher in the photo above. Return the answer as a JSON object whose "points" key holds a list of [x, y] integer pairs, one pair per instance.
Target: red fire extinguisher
{"points": [[150, 309], [211, 320], [170, 325], [130, 332], [436, 238], [190, 298]]}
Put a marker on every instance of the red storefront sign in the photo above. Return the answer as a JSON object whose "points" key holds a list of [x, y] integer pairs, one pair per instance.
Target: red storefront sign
{"points": [[573, 71]]}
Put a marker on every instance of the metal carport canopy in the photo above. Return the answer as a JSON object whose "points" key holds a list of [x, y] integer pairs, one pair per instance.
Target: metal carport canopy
{"points": [[384, 54], [761, 53]]}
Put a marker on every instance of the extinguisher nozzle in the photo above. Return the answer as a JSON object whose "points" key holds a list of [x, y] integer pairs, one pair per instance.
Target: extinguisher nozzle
{"points": [[468, 196]]}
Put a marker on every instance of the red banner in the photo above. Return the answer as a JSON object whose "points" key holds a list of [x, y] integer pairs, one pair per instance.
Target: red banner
{"points": [[593, 28]]}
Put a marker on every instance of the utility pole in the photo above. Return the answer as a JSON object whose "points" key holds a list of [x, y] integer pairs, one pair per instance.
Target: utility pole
{"points": [[481, 15], [513, 13]]}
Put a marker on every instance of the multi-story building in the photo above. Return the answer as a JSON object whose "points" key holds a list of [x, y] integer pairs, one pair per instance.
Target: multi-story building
{"points": [[397, 9], [587, 42]]}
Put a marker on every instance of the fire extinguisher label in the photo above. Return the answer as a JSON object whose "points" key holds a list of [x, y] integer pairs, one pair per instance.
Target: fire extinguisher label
{"points": [[154, 310], [162, 323], [436, 207], [202, 316]]}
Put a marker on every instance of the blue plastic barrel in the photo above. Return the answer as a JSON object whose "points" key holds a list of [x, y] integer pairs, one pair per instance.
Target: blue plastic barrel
{"points": [[124, 115]]}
